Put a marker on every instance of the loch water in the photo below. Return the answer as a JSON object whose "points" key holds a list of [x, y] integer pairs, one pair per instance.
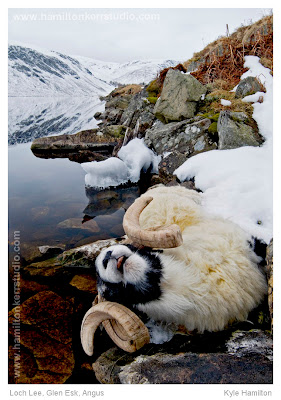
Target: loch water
{"points": [[48, 201]]}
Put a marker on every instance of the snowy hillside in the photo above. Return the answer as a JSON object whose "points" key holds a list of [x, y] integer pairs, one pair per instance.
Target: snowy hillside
{"points": [[141, 71], [38, 72], [47, 73]]}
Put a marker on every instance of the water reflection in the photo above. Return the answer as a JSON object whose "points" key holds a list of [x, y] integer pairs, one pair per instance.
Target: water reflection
{"points": [[34, 117], [49, 204], [108, 201]]}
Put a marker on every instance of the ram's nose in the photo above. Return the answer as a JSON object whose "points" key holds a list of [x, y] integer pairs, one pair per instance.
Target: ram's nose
{"points": [[120, 262]]}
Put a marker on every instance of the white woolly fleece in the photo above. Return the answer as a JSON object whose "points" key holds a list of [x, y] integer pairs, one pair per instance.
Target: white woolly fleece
{"points": [[213, 278]]}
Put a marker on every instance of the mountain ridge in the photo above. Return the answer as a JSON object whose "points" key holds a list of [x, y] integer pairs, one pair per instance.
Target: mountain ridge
{"points": [[35, 72]]}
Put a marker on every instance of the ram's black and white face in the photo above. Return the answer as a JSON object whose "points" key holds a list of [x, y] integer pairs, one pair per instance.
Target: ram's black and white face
{"points": [[128, 275], [121, 263]]}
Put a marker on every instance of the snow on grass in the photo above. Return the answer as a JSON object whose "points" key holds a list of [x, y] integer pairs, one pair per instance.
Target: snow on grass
{"points": [[225, 102], [133, 158], [237, 183]]}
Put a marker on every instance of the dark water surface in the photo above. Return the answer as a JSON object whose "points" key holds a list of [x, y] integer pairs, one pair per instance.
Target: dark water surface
{"points": [[49, 205]]}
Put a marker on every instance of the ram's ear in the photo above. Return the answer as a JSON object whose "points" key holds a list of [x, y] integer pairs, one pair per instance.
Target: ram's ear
{"points": [[158, 237]]}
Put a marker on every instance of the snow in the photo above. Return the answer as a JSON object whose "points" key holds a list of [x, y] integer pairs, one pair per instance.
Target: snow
{"points": [[253, 98], [102, 174], [237, 183], [225, 102], [160, 331], [133, 158], [166, 154], [137, 156]]}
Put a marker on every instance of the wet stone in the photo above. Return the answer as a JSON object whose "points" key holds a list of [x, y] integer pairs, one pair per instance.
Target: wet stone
{"points": [[45, 337]]}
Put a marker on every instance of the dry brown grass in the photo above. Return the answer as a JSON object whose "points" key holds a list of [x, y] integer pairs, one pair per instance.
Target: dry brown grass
{"points": [[125, 90], [223, 59], [212, 103]]}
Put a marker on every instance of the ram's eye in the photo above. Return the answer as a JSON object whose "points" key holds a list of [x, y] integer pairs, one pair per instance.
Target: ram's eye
{"points": [[106, 259]]}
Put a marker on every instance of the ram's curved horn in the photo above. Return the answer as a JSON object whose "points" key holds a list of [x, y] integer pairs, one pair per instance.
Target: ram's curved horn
{"points": [[123, 326], [159, 237]]}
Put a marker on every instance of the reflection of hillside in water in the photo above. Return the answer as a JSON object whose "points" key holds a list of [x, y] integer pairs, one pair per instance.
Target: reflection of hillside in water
{"points": [[31, 117]]}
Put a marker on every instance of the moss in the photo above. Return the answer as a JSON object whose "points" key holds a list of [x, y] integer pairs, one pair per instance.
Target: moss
{"points": [[215, 117], [220, 94], [152, 100], [211, 116], [117, 131], [213, 128], [154, 88]]}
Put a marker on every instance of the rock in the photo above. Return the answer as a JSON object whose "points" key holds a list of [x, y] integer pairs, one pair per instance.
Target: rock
{"points": [[45, 339], [136, 107], [29, 288], [81, 257], [234, 132], [85, 140], [144, 122], [39, 212], [251, 343], [178, 98], [187, 137], [82, 156], [30, 252], [86, 255], [189, 185], [120, 103], [85, 283], [116, 131], [76, 223], [51, 251], [169, 164], [112, 116], [114, 366], [47, 268], [269, 270], [97, 115], [247, 86]]}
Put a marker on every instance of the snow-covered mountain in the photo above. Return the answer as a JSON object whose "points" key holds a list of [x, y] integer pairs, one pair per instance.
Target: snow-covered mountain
{"points": [[140, 71], [38, 72], [48, 73]]}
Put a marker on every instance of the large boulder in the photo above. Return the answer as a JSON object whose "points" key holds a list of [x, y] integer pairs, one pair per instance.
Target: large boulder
{"points": [[178, 98], [188, 137], [181, 361], [234, 131], [247, 86]]}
